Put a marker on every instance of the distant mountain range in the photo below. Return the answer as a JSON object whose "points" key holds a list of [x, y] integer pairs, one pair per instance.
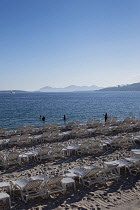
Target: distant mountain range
{"points": [[70, 88], [131, 87]]}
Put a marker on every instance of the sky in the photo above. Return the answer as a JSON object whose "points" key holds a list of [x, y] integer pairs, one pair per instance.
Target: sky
{"points": [[59, 43]]}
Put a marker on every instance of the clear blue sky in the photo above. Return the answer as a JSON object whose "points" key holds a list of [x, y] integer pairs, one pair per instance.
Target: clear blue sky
{"points": [[69, 42]]}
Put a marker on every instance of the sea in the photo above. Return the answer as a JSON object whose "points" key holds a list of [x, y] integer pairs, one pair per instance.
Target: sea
{"points": [[25, 108]]}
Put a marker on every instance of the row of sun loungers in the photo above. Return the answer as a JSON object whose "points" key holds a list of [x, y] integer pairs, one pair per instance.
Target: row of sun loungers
{"points": [[87, 146], [50, 153], [58, 135], [47, 137], [112, 123], [44, 186]]}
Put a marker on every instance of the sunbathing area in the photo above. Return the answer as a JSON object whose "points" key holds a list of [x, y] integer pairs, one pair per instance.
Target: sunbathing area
{"points": [[75, 166]]}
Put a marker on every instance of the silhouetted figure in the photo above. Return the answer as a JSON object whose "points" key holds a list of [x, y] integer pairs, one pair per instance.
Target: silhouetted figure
{"points": [[43, 118], [40, 116], [64, 118], [106, 116]]}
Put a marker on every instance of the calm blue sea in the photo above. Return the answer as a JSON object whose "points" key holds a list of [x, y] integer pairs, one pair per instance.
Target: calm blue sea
{"points": [[23, 109]]}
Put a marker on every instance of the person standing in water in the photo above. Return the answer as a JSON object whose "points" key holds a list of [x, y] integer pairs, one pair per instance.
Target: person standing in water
{"points": [[64, 118], [106, 116], [43, 118]]}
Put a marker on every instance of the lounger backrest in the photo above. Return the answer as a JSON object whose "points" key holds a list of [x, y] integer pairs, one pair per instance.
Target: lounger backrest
{"points": [[33, 184], [24, 137], [96, 122], [54, 180], [117, 140], [29, 129], [76, 124], [92, 172], [90, 121], [46, 126], [2, 157], [44, 151], [55, 133], [137, 164], [57, 149], [46, 134], [109, 119], [14, 138], [12, 156], [127, 119], [109, 169], [2, 130], [21, 129], [134, 119], [84, 145], [74, 130], [95, 143], [54, 126], [114, 119], [70, 125]]}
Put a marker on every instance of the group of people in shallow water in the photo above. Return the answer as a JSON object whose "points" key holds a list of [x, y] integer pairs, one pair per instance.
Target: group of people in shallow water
{"points": [[43, 118]]}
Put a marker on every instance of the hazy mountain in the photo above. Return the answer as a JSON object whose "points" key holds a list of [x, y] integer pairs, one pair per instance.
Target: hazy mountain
{"points": [[131, 87], [70, 88]]}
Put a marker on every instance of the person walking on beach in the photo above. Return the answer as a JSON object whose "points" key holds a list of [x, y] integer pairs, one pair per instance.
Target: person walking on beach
{"points": [[106, 116]]}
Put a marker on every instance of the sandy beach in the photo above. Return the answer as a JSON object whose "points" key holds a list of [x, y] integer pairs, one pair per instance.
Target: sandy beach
{"points": [[122, 194]]}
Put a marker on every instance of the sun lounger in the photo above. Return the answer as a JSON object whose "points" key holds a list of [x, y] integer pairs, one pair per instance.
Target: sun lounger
{"points": [[12, 158], [5, 201], [43, 154], [110, 173], [57, 152], [28, 188], [83, 148], [121, 164], [90, 123], [54, 185], [87, 177], [3, 162], [134, 169]]}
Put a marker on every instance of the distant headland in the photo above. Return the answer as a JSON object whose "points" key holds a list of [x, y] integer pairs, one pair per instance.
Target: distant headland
{"points": [[131, 87], [13, 91]]}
